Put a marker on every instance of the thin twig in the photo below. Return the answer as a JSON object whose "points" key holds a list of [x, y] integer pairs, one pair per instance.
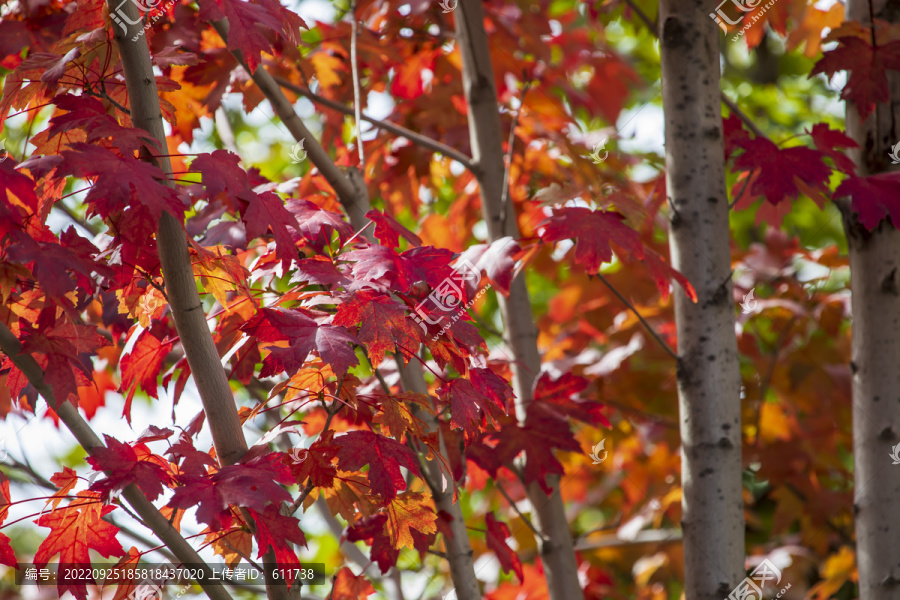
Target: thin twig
{"points": [[741, 193], [767, 380], [653, 26], [643, 321], [399, 130], [504, 194], [743, 117], [337, 406], [515, 507], [64, 208], [357, 107], [384, 385]]}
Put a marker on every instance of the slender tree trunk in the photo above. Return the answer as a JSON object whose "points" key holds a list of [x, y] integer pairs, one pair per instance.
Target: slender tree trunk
{"points": [[351, 189], [875, 283], [90, 441], [708, 376], [557, 549], [171, 240], [459, 549], [181, 287]]}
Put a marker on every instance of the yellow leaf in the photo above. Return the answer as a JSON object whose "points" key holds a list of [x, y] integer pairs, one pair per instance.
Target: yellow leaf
{"points": [[327, 68], [838, 569], [409, 510]]}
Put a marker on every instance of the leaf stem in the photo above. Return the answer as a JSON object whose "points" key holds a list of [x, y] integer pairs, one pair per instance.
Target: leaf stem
{"points": [[643, 321]]}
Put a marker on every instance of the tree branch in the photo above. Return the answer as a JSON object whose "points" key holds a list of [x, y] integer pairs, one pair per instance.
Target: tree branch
{"points": [[89, 440], [459, 554], [486, 137], [184, 300], [351, 189], [416, 138], [643, 321], [515, 507]]}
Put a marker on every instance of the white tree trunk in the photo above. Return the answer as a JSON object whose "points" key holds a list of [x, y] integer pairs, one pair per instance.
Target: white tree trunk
{"points": [[708, 376], [549, 515], [875, 284]]}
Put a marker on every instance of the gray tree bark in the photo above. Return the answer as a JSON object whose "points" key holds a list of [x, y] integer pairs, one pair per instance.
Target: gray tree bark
{"points": [[549, 516], [708, 376], [875, 300]]}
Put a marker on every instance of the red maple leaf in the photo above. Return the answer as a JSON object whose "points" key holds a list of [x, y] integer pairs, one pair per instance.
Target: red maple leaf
{"points": [[464, 405], [497, 260], [75, 530], [594, 230], [497, 532], [734, 133], [120, 181], [316, 465], [195, 462], [384, 457], [493, 387], [538, 437], [383, 324], [52, 262], [399, 272], [469, 404], [266, 211], [140, 367], [7, 556], [867, 82], [388, 230], [873, 197], [61, 348], [88, 115], [372, 531], [222, 174], [5, 499], [348, 586], [15, 185], [247, 21], [252, 485], [561, 397], [777, 168], [274, 530], [317, 224], [318, 270], [305, 335], [125, 465], [828, 141]]}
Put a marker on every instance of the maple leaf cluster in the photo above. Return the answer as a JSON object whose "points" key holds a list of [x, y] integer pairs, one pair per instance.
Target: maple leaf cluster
{"points": [[347, 305]]}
